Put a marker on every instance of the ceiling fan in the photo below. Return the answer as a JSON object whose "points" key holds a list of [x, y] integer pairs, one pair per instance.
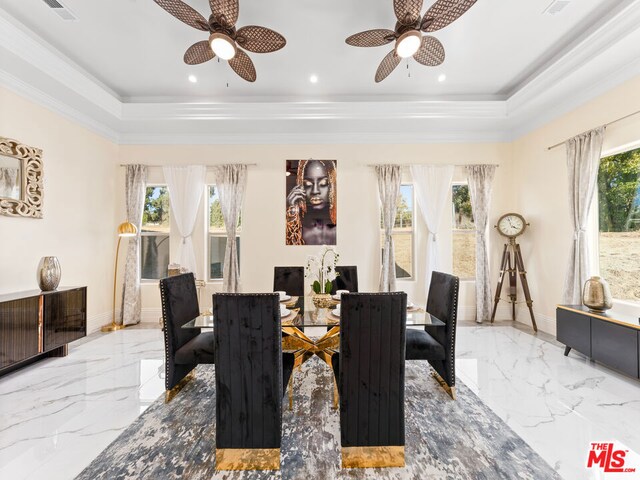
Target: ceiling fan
{"points": [[224, 40], [410, 42]]}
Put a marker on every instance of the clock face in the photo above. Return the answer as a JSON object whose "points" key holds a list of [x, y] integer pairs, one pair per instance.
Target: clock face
{"points": [[511, 225]]}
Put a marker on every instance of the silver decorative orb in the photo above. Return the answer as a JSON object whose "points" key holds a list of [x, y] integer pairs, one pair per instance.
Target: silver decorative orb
{"points": [[49, 273], [596, 295]]}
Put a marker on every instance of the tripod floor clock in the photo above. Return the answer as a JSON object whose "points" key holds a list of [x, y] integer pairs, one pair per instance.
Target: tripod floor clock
{"points": [[512, 225]]}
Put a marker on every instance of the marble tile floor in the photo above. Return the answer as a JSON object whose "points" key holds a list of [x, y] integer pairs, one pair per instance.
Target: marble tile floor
{"points": [[58, 414]]}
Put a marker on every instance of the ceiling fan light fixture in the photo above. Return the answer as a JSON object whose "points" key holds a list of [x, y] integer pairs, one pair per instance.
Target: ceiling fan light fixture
{"points": [[408, 43], [222, 45]]}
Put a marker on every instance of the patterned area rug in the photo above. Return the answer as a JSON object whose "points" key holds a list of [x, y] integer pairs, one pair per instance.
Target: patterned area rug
{"points": [[445, 439]]}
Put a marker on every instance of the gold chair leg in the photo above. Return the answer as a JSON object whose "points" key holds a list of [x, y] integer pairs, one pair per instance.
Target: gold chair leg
{"points": [[450, 390], [169, 394], [335, 393], [291, 392]]}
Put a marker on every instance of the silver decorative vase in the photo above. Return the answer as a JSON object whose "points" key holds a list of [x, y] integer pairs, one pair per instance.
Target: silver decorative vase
{"points": [[596, 295], [49, 273]]}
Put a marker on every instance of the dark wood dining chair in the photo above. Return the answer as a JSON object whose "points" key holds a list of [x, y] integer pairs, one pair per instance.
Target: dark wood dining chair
{"points": [[184, 349], [251, 377], [370, 375], [347, 279], [289, 279], [438, 345]]}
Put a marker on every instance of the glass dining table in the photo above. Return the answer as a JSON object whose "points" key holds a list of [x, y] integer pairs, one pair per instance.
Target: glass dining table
{"points": [[309, 331]]}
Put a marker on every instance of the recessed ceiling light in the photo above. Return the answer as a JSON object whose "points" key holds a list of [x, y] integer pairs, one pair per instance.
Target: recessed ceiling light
{"points": [[442, 77], [193, 79], [313, 79]]}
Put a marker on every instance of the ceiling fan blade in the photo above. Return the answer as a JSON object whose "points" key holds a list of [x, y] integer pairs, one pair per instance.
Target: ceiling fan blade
{"points": [[225, 11], [444, 12], [371, 38], [430, 53], [407, 11], [199, 52], [243, 66], [185, 13], [388, 64], [260, 39]]}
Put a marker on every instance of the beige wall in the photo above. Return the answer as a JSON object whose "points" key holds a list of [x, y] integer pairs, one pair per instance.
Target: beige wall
{"points": [[79, 223], [84, 202], [540, 177], [263, 245]]}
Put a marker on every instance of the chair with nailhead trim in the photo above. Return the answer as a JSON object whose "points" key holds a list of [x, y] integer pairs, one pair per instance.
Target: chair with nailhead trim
{"points": [[438, 345], [184, 348]]}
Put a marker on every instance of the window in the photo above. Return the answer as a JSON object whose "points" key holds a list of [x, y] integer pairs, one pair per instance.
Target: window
{"points": [[218, 236], [154, 252], [464, 233], [619, 223], [403, 233]]}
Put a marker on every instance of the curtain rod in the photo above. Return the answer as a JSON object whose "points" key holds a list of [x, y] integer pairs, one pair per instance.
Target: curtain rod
{"points": [[433, 164], [207, 166], [605, 125]]}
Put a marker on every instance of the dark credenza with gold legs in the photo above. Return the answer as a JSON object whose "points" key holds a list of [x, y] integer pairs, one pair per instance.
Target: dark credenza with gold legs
{"points": [[35, 324], [609, 338]]}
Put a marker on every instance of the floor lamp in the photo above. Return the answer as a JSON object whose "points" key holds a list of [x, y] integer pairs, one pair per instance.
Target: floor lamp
{"points": [[125, 229]]}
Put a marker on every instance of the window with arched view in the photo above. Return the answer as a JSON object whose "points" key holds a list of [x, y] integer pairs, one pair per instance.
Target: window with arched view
{"points": [[464, 233], [619, 223], [154, 235]]}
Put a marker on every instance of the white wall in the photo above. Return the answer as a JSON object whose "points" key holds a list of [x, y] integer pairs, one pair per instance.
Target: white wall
{"points": [[78, 225], [540, 178], [263, 243]]}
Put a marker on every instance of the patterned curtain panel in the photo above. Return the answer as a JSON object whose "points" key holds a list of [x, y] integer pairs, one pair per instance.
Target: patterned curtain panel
{"points": [[480, 178], [136, 183], [185, 193], [231, 181], [389, 177], [432, 184], [583, 161]]}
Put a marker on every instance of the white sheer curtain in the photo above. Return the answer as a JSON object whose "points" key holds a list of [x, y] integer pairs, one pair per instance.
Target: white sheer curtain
{"points": [[231, 181], [583, 161], [136, 184], [389, 177], [432, 184], [480, 178], [186, 185]]}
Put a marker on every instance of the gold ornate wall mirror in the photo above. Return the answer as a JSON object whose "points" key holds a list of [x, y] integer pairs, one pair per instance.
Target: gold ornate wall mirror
{"points": [[20, 179]]}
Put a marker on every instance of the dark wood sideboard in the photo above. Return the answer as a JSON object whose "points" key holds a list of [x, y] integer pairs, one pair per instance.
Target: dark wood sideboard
{"points": [[608, 338], [35, 324]]}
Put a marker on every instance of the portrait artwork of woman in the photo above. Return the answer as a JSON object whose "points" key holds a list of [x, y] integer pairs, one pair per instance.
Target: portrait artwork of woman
{"points": [[311, 202]]}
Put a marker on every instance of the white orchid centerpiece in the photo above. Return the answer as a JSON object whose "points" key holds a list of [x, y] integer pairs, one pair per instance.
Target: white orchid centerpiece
{"points": [[322, 269]]}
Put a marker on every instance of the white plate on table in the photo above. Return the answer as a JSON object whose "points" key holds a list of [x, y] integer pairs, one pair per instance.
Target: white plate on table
{"points": [[412, 307], [335, 312], [286, 298], [285, 312], [336, 297]]}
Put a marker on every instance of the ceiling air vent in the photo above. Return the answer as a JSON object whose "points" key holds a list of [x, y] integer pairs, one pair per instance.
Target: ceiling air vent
{"points": [[553, 9], [62, 11]]}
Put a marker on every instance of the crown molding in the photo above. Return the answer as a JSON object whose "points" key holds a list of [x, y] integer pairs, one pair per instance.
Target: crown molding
{"points": [[25, 44], [607, 35], [39, 97], [389, 110], [306, 138], [557, 106]]}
